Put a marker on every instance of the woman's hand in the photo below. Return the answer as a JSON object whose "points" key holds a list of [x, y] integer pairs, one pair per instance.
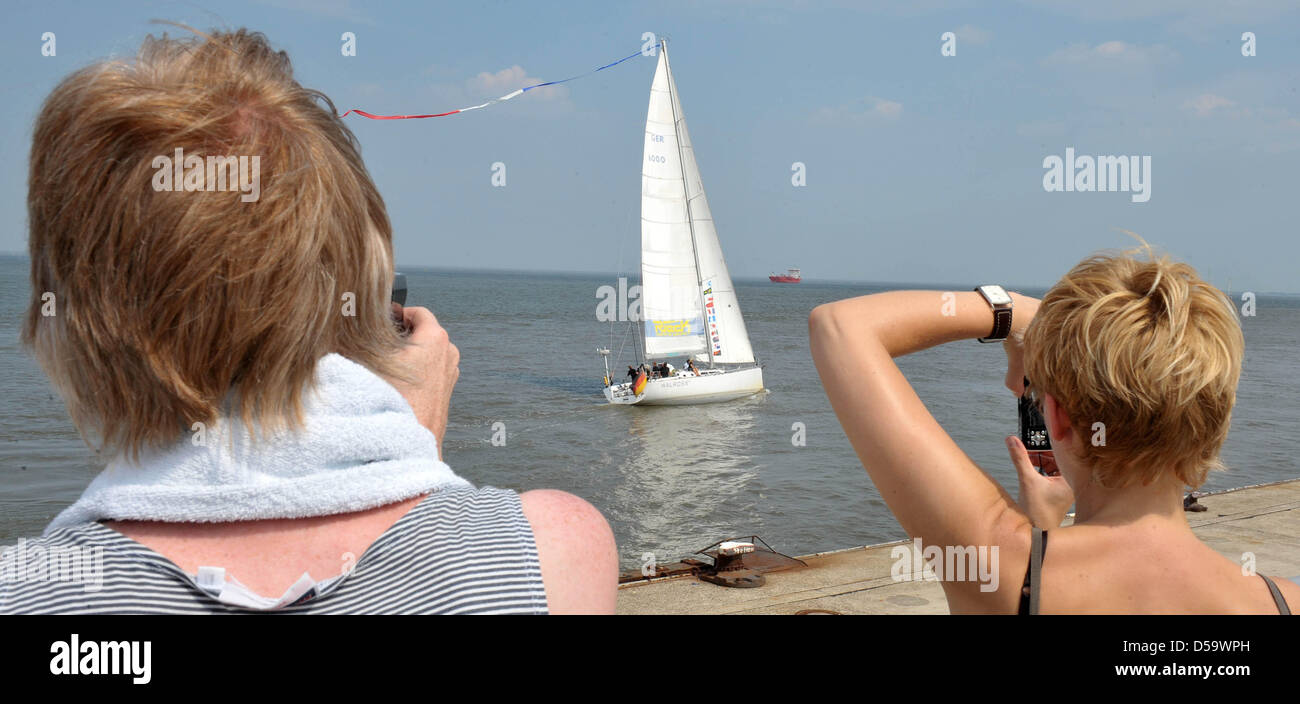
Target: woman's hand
{"points": [[1023, 309], [1044, 498], [433, 362]]}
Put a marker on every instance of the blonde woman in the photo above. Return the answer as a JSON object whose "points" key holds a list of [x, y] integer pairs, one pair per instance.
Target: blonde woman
{"points": [[1140, 344], [211, 273]]}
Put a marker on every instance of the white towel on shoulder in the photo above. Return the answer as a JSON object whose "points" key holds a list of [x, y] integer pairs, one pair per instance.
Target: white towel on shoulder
{"points": [[360, 447]]}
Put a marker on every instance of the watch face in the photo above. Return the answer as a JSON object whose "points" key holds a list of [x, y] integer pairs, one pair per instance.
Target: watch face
{"points": [[995, 295]]}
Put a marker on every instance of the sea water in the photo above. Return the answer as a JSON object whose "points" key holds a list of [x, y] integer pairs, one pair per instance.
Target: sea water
{"points": [[671, 480]]}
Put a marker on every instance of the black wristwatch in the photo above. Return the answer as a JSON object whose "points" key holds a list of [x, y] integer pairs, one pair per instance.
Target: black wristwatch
{"points": [[1000, 302]]}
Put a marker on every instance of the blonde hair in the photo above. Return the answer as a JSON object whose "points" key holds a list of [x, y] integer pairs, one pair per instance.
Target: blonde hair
{"points": [[1148, 349], [167, 302]]}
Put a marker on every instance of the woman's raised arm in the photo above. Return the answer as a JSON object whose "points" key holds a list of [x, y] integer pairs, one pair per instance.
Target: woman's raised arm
{"points": [[935, 491]]}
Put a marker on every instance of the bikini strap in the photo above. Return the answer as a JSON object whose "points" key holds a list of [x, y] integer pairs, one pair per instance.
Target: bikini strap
{"points": [[1037, 549], [1033, 575], [1278, 599]]}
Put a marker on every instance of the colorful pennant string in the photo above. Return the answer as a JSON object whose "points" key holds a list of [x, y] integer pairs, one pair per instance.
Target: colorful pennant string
{"points": [[494, 101]]}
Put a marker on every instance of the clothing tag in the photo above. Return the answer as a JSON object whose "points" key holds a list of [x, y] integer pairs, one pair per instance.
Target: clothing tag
{"points": [[304, 584], [211, 578], [229, 591]]}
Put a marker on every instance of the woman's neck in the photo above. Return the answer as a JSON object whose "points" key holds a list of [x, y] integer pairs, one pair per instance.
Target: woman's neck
{"points": [[1098, 505]]}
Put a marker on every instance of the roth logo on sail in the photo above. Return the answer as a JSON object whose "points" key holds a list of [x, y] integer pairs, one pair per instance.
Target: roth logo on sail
{"points": [[671, 328]]}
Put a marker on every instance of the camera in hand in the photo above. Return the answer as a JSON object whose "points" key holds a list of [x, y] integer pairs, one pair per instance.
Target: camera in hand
{"points": [[399, 298], [399, 289], [1033, 429]]}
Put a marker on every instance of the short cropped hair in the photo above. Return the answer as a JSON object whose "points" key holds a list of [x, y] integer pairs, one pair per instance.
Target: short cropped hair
{"points": [[169, 304], [1150, 350]]}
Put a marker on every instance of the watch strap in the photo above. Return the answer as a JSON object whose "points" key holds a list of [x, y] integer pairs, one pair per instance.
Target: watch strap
{"points": [[1001, 319], [1001, 325]]}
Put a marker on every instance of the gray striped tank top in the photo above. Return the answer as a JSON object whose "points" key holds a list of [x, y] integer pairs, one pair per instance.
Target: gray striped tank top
{"points": [[466, 551]]}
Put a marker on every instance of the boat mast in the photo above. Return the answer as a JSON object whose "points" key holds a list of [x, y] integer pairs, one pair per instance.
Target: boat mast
{"points": [[686, 192]]}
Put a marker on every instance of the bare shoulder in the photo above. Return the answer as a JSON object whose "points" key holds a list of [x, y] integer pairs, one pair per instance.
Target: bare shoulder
{"points": [[577, 552], [1122, 570]]}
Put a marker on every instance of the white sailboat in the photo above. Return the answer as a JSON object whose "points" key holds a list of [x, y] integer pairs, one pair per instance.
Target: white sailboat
{"points": [[688, 303]]}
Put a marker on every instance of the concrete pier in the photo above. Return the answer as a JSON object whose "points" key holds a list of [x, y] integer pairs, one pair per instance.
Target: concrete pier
{"points": [[1261, 519]]}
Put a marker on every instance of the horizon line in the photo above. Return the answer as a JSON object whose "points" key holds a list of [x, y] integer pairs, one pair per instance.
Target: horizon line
{"points": [[937, 285]]}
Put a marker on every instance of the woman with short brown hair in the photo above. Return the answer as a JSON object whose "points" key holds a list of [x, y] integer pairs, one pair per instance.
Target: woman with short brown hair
{"points": [[211, 271]]}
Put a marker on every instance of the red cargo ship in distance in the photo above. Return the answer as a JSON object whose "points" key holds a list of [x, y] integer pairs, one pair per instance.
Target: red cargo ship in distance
{"points": [[791, 276]]}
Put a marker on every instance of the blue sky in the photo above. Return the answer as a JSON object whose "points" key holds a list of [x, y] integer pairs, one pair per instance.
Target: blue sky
{"points": [[920, 167]]}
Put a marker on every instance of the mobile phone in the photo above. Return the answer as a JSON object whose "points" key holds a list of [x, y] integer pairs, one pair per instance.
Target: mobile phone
{"points": [[399, 289], [1033, 429], [399, 298]]}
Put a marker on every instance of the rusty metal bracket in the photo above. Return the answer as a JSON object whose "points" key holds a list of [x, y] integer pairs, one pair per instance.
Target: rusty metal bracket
{"points": [[737, 562]]}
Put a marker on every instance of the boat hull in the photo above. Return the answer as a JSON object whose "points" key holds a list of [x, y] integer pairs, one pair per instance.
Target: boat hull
{"points": [[784, 279], [715, 387]]}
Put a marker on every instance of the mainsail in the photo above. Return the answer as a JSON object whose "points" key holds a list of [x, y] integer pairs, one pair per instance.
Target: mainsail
{"points": [[688, 302]]}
